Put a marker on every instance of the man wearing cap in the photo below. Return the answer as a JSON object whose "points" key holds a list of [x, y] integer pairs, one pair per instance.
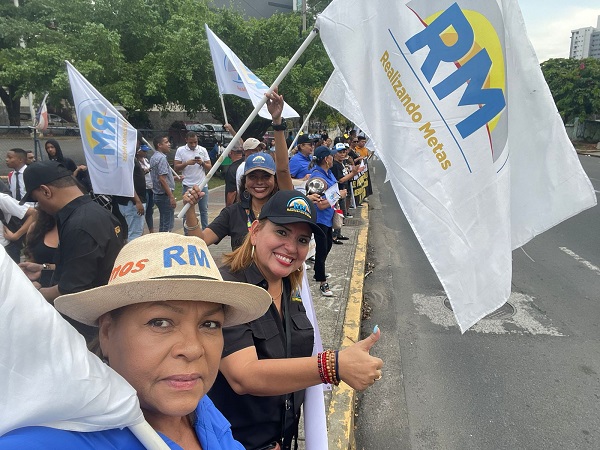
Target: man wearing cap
{"points": [[133, 208], [300, 161], [90, 236], [193, 162], [251, 146]]}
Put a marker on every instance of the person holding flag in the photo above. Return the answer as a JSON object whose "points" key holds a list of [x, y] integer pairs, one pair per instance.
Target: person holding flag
{"points": [[164, 337]]}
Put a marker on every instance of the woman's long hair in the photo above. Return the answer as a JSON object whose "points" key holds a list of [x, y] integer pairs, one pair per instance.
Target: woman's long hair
{"points": [[241, 258], [44, 222]]}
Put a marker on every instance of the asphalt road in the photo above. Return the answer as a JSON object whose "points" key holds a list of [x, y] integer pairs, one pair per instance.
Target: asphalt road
{"points": [[530, 380]]}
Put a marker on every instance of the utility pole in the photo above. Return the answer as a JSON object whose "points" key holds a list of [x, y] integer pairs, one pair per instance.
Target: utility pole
{"points": [[303, 15], [30, 96]]}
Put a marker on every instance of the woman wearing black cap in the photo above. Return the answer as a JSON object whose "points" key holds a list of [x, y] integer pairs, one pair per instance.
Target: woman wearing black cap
{"points": [[267, 363]]}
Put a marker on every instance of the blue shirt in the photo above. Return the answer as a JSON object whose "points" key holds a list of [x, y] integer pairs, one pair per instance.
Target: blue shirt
{"points": [[299, 165], [212, 429], [324, 216]]}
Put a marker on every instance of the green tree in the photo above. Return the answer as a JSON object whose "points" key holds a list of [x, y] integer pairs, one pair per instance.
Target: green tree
{"points": [[575, 86]]}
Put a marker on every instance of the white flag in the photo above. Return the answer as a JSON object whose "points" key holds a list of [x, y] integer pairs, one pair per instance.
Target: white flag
{"points": [[233, 77], [47, 375], [41, 118], [454, 99], [109, 141]]}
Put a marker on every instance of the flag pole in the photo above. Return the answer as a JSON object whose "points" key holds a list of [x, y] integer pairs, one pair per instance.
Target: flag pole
{"points": [[253, 114], [223, 105], [293, 144], [148, 436], [311, 111]]}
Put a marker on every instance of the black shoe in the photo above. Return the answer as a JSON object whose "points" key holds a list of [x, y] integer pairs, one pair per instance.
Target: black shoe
{"points": [[342, 238], [335, 241]]}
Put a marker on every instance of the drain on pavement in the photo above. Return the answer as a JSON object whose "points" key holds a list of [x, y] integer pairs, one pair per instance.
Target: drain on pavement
{"points": [[506, 311]]}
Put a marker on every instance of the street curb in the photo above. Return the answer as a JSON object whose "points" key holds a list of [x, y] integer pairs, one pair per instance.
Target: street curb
{"points": [[340, 417]]}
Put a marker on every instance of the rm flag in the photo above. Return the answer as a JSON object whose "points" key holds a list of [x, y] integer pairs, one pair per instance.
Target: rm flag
{"points": [[108, 140], [233, 77], [41, 118], [477, 154], [47, 375]]}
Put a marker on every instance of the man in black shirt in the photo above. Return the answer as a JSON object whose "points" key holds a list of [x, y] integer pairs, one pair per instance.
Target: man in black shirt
{"points": [[90, 237]]}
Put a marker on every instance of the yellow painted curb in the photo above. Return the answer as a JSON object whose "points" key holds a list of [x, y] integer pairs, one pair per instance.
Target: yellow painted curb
{"points": [[341, 409]]}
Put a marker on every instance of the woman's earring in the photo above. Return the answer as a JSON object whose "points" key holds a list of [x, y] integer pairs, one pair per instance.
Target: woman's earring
{"points": [[105, 360], [246, 195], [252, 253]]}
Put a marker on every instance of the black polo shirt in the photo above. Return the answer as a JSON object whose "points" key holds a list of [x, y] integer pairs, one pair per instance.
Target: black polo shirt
{"points": [[90, 238], [256, 421], [233, 220], [230, 181]]}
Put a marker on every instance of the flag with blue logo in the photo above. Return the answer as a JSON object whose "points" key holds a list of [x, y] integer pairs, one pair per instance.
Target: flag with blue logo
{"points": [[109, 141], [454, 99], [233, 77]]}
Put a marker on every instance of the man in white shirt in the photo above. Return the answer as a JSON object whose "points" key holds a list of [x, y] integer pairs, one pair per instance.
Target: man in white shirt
{"points": [[16, 159], [193, 162], [10, 238]]}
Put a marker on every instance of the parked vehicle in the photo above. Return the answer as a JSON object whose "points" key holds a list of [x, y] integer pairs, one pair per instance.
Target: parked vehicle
{"points": [[179, 128], [57, 125], [221, 133]]}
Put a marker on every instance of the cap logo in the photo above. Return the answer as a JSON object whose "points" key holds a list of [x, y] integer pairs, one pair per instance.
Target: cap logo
{"points": [[299, 205], [259, 160]]}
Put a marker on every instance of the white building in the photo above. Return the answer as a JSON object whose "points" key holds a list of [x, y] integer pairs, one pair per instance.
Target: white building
{"points": [[585, 42]]}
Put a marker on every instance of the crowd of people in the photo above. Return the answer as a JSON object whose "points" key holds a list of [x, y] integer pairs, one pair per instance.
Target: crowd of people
{"points": [[220, 357]]}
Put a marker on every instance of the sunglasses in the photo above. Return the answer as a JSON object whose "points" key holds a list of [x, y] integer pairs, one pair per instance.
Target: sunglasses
{"points": [[355, 142]]}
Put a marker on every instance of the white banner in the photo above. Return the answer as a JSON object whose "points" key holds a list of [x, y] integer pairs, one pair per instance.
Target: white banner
{"points": [[233, 77], [47, 375], [454, 99], [109, 141]]}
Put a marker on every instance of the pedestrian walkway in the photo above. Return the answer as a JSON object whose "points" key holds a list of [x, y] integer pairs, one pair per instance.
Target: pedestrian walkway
{"points": [[338, 316]]}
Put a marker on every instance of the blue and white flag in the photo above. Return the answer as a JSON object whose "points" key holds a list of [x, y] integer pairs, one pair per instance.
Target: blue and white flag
{"points": [[233, 77], [460, 114], [109, 141]]}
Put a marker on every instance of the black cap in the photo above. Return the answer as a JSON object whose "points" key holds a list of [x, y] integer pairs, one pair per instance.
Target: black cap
{"points": [[42, 172], [291, 207], [303, 139]]}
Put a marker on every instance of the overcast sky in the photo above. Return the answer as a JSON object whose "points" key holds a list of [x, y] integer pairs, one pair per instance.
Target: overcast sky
{"points": [[549, 23]]}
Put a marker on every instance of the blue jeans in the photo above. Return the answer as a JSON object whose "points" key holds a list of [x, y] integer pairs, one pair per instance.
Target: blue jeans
{"points": [[202, 206], [135, 222], [150, 209], [167, 214]]}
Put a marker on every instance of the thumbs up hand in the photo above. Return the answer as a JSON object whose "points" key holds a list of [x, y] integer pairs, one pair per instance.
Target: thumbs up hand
{"points": [[357, 367]]}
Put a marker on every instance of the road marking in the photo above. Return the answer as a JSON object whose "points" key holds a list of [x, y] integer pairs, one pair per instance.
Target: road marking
{"points": [[527, 320], [576, 257]]}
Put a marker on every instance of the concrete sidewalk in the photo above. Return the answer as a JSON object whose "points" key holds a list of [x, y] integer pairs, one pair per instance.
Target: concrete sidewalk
{"points": [[338, 316]]}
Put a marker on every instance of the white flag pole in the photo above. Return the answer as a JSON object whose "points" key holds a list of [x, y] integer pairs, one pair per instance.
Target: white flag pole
{"points": [[223, 105], [148, 436], [253, 114], [293, 144]]}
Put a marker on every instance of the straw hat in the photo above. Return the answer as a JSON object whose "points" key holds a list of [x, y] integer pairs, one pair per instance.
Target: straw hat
{"points": [[166, 266]]}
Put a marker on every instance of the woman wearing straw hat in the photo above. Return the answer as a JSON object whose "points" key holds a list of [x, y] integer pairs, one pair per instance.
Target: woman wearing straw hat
{"points": [[267, 363], [159, 322]]}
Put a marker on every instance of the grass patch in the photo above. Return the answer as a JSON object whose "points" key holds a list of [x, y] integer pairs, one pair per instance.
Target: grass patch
{"points": [[214, 182]]}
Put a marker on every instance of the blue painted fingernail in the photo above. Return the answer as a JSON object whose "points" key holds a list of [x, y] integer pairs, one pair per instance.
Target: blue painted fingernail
{"points": [[375, 329]]}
